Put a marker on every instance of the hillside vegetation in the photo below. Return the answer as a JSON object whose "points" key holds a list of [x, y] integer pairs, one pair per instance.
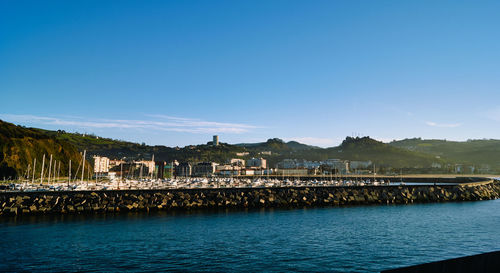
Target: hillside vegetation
{"points": [[382, 154], [19, 146], [476, 152]]}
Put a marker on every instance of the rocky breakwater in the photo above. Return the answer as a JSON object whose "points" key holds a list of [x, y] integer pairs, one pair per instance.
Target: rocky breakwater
{"points": [[22, 203]]}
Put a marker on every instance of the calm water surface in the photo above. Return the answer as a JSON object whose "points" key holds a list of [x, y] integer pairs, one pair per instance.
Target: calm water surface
{"points": [[349, 239]]}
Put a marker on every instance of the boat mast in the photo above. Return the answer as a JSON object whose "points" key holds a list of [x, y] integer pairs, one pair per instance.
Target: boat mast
{"points": [[54, 174], [88, 176], [28, 176], [69, 173], [83, 164], [58, 169], [29, 169], [43, 165], [50, 168], [121, 174], [34, 168], [153, 170]]}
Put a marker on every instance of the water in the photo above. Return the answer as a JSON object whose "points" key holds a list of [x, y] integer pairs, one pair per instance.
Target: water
{"points": [[349, 239]]}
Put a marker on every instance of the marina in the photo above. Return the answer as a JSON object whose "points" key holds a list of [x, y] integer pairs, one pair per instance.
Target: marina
{"points": [[201, 183]]}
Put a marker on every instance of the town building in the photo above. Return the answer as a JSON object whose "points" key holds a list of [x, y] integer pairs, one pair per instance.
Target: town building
{"points": [[114, 163], [159, 169], [204, 169], [183, 169], [237, 162], [228, 170], [339, 165], [314, 167], [256, 163], [360, 164], [149, 164], [248, 172], [287, 164], [101, 165]]}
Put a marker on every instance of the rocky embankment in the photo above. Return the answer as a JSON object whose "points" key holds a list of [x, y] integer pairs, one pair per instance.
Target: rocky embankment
{"points": [[22, 203]]}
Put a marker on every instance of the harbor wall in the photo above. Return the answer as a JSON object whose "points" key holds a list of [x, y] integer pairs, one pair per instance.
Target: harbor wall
{"points": [[26, 203]]}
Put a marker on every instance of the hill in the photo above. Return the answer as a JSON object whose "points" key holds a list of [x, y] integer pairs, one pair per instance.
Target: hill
{"points": [[484, 153], [118, 149], [276, 146], [382, 154], [19, 146]]}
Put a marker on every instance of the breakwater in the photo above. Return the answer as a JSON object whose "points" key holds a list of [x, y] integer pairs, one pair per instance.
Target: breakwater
{"points": [[23, 203]]}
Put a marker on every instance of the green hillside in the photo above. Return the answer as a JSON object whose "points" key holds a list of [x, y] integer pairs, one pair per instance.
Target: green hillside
{"points": [[19, 146], [483, 153], [363, 149], [382, 154], [276, 145], [117, 149]]}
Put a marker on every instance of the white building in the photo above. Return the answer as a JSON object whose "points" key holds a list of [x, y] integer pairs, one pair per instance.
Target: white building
{"points": [[237, 162], [101, 164], [150, 164], [248, 172]]}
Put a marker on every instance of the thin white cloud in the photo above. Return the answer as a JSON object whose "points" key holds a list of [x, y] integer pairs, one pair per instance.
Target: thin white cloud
{"points": [[167, 123], [443, 125], [190, 122]]}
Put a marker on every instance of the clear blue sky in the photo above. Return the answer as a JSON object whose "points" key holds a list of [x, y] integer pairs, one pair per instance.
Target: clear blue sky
{"points": [[177, 72]]}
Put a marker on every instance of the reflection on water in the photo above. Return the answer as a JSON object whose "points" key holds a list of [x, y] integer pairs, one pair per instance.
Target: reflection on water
{"points": [[349, 239]]}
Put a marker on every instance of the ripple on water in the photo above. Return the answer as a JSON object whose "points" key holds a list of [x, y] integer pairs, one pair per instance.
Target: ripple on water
{"points": [[349, 239]]}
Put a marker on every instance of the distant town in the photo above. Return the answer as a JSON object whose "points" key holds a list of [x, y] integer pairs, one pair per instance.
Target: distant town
{"points": [[115, 168], [32, 153]]}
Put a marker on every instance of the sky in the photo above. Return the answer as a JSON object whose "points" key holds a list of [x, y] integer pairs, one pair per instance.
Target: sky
{"points": [[175, 73]]}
